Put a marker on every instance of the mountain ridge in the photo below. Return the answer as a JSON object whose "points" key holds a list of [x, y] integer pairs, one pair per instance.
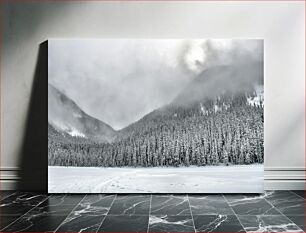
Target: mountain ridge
{"points": [[66, 116]]}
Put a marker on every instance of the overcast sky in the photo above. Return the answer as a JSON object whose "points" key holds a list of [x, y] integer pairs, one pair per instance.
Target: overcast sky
{"points": [[119, 81]]}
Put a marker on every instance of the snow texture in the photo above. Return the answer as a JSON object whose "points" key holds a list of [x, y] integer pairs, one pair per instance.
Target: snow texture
{"points": [[75, 133], [209, 179], [257, 100]]}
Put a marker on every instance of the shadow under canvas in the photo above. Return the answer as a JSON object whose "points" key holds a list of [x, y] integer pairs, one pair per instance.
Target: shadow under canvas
{"points": [[33, 165]]}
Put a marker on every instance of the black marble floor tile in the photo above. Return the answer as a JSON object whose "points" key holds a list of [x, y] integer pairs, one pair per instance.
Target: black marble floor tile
{"points": [[20, 203], [209, 205], [299, 220], [286, 202], [130, 204], [47, 215], [217, 223], [175, 223], [5, 194], [95, 204], [7, 220], [266, 223], [250, 205], [301, 193], [33, 212], [63, 199], [125, 223], [56, 205], [35, 223], [81, 223], [45, 209], [170, 205]]}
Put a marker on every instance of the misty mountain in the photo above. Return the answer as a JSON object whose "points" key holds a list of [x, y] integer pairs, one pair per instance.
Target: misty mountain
{"points": [[67, 119], [221, 80], [61, 137], [216, 89], [217, 119]]}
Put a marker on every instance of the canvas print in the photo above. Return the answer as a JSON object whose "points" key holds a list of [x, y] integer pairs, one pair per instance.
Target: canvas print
{"points": [[155, 116]]}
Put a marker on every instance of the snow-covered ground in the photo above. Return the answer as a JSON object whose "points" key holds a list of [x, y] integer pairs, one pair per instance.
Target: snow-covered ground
{"points": [[212, 179]]}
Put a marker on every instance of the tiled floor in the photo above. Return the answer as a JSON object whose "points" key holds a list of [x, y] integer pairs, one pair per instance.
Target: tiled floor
{"points": [[281, 211]]}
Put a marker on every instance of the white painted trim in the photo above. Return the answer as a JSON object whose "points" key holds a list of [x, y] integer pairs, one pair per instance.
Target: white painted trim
{"points": [[285, 169], [9, 177], [285, 177], [3, 169], [8, 184]]}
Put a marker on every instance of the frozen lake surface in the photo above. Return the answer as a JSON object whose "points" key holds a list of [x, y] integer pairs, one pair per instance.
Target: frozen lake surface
{"points": [[209, 179]]}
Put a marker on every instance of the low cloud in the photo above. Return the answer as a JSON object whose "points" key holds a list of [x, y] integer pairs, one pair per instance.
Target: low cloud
{"points": [[119, 81]]}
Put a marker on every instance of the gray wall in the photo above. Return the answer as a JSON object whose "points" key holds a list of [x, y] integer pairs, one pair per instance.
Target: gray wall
{"points": [[23, 104]]}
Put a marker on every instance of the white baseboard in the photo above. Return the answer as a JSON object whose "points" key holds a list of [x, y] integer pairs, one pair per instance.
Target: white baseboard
{"points": [[284, 178], [276, 178], [9, 178]]}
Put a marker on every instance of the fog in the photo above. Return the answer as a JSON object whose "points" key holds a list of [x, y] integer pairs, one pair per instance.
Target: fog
{"points": [[235, 67], [118, 81]]}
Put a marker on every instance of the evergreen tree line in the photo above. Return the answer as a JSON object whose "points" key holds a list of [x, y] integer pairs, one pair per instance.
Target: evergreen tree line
{"points": [[224, 131]]}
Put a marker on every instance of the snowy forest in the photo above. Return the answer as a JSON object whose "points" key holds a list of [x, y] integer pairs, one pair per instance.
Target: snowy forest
{"points": [[225, 130]]}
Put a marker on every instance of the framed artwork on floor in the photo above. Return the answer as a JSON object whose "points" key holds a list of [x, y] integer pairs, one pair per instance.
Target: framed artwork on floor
{"points": [[155, 116]]}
